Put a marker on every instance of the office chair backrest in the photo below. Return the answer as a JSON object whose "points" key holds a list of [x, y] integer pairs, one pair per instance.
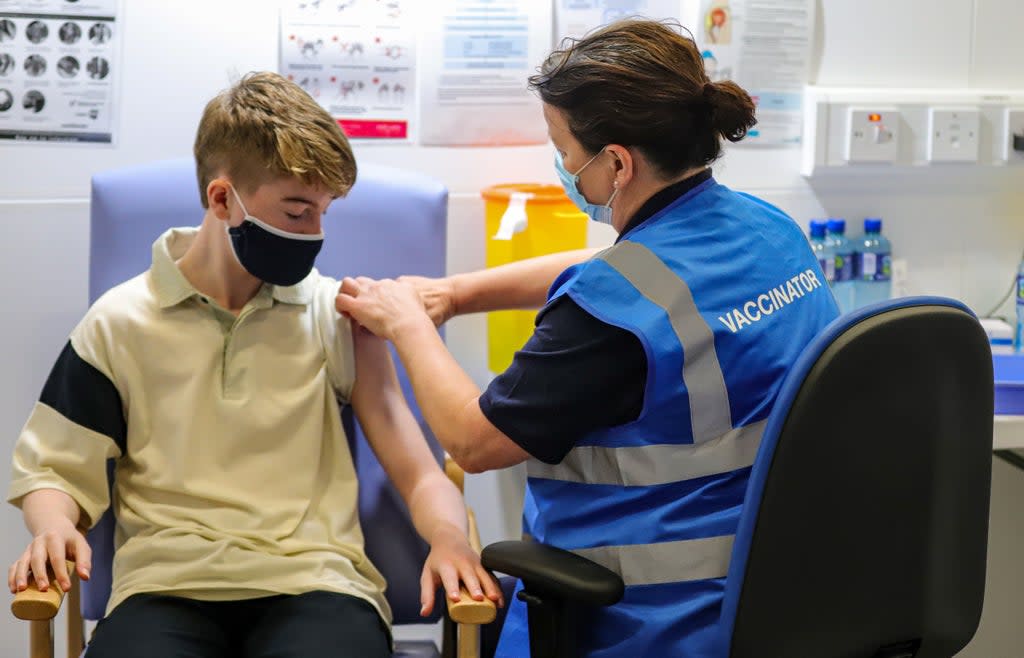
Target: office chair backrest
{"points": [[392, 222], [865, 524]]}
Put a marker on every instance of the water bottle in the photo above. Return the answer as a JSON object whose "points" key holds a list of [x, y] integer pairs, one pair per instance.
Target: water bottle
{"points": [[842, 285], [823, 250], [1018, 329], [873, 265]]}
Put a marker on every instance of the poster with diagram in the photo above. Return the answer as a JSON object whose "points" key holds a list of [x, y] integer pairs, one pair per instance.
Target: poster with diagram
{"points": [[765, 46], [59, 68], [357, 58]]}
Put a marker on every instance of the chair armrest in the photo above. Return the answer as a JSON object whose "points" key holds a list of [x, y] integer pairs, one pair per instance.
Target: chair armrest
{"points": [[467, 610], [555, 573], [33, 605], [455, 473]]}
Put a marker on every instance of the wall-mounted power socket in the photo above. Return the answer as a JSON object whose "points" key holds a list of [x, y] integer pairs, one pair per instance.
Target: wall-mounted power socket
{"points": [[1013, 140], [872, 134], [954, 134], [865, 129]]}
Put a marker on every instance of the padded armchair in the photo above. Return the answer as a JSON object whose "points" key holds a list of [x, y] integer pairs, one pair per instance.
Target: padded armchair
{"points": [[865, 525], [392, 222]]}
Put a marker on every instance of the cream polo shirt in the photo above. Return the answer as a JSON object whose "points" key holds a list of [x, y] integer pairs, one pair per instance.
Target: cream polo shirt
{"points": [[233, 474]]}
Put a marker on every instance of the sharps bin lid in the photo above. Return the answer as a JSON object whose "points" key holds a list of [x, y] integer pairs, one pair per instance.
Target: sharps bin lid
{"points": [[541, 193]]}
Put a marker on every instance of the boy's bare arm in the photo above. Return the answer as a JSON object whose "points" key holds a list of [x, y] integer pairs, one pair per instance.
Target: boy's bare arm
{"points": [[437, 508], [52, 517]]}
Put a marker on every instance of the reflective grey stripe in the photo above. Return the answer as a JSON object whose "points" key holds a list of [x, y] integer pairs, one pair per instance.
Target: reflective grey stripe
{"points": [[665, 562], [640, 466], [709, 399]]}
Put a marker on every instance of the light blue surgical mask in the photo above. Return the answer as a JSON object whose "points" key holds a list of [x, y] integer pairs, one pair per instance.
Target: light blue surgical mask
{"points": [[600, 214]]}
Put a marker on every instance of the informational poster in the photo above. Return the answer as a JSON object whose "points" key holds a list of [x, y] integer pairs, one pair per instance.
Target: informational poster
{"points": [[59, 67], [574, 18], [764, 46], [477, 56], [357, 58]]}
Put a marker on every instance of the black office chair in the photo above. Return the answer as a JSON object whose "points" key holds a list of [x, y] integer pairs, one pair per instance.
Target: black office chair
{"points": [[865, 524]]}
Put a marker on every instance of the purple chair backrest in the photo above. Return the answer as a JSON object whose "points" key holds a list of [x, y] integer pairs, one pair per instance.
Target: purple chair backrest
{"points": [[392, 222]]}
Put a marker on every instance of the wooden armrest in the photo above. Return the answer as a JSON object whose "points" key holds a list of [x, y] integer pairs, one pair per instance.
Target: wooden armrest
{"points": [[468, 610], [33, 605], [455, 473]]}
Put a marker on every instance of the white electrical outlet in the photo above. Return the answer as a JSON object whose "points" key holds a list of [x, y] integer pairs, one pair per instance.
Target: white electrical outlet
{"points": [[872, 134], [1014, 127], [954, 134]]}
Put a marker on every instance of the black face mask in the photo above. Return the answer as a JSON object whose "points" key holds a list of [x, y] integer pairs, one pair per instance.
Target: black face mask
{"points": [[273, 255]]}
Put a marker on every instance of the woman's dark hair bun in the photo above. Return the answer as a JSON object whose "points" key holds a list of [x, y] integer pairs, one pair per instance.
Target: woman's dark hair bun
{"points": [[732, 109]]}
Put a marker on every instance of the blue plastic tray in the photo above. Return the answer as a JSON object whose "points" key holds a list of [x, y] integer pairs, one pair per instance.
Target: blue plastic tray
{"points": [[1009, 376]]}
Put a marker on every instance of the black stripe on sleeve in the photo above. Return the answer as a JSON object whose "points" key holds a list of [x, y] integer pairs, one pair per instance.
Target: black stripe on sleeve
{"points": [[84, 395]]}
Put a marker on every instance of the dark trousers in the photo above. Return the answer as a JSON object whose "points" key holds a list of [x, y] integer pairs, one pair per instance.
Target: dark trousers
{"points": [[314, 624]]}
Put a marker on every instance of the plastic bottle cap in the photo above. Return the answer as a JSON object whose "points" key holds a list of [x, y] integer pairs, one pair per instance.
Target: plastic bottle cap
{"points": [[872, 225], [817, 228], [836, 225]]}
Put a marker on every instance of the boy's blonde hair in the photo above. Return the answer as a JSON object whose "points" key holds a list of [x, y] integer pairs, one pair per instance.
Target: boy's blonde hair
{"points": [[265, 127]]}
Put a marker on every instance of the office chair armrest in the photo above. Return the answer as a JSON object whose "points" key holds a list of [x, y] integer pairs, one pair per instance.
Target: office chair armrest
{"points": [[33, 605], [552, 572]]}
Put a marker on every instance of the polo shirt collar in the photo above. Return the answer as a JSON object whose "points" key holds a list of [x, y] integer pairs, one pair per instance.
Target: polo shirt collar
{"points": [[300, 293], [171, 287]]}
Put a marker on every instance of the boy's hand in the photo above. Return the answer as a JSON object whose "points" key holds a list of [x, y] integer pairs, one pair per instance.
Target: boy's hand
{"points": [[59, 541], [452, 560], [437, 295]]}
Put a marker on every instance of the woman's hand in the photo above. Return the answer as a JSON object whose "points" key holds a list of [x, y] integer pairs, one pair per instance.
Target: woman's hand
{"points": [[384, 307], [437, 295], [451, 561]]}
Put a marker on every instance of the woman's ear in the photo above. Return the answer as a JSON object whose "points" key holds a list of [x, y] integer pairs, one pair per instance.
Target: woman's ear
{"points": [[623, 163]]}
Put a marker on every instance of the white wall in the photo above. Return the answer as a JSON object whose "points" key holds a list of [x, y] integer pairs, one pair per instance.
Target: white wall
{"points": [[893, 44], [961, 237]]}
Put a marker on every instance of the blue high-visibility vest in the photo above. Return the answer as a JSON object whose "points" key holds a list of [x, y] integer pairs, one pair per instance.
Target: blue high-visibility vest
{"points": [[723, 291]]}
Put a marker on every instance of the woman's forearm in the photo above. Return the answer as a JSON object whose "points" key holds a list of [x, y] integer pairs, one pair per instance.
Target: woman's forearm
{"points": [[520, 285]]}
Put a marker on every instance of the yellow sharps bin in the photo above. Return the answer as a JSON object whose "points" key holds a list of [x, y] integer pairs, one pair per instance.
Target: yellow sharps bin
{"points": [[525, 220]]}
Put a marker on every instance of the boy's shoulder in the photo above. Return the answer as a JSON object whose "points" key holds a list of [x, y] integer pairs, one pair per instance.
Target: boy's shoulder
{"points": [[326, 289], [122, 308], [126, 298]]}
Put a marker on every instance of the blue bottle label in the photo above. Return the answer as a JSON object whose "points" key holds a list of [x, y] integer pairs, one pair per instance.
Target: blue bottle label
{"points": [[1020, 290], [884, 272], [844, 267], [874, 267], [828, 266]]}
